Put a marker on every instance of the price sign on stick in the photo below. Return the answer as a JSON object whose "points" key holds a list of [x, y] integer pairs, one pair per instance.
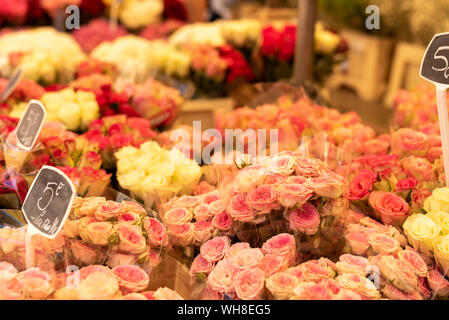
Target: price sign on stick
{"points": [[30, 125], [12, 84], [48, 202], [435, 68]]}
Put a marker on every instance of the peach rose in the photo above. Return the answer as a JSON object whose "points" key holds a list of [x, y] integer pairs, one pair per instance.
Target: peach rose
{"points": [[134, 296], [414, 261], [262, 199], [328, 185], [359, 284], [290, 195], [398, 273], [99, 233], [217, 207], [131, 278], [316, 270], [249, 284], [281, 285], [383, 244], [82, 227], [236, 248], [88, 270], [249, 178], [71, 228], [438, 283], [305, 220], [99, 286], [130, 238], [88, 206], [309, 167], [311, 291], [215, 249], [419, 168], [389, 207], [281, 164], [358, 242], [349, 263], [118, 259], [407, 141]]}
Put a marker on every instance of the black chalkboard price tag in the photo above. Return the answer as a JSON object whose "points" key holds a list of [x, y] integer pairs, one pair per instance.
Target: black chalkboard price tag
{"points": [[435, 68], [48, 202], [30, 125], [12, 84]]}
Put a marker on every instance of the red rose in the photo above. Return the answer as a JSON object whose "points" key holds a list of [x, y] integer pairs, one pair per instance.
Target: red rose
{"points": [[361, 185]]}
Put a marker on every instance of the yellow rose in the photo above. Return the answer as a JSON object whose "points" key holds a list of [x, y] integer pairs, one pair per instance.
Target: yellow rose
{"points": [[438, 201], [441, 252], [99, 286], [99, 233], [421, 231], [442, 219]]}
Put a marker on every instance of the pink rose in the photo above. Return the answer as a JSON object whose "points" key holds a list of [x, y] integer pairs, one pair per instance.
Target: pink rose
{"points": [[406, 184], [177, 216], [84, 253], [262, 199], [131, 278], [283, 245], [201, 265], [414, 261], [222, 221], [438, 283], [407, 141], [346, 294], [130, 238], [221, 278], [88, 206], [210, 294], [305, 220], [134, 296], [236, 248], [129, 217], [309, 167], [361, 185], [419, 168], [391, 208], [248, 258], [249, 284], [167, 294], [108, 211], [376, 146], [132, 207], [359, 284], [215, 249], [272, 263], [281, 164], [239, 210], [419, 196], [36, 283], [216, 207], [434, 153], [398, 273], [208, 198], [203, 231], [281, 285], [187, 202], [394, 293], [82, 226], [358, 242], [349, 263], [202, 212], [328, 185], [290, 195], [156, 232], [182, 235]]}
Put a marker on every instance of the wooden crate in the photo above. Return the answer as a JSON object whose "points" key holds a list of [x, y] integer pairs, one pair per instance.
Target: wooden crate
{"points": [[405, 69], [367, 68], [203, 110]]}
